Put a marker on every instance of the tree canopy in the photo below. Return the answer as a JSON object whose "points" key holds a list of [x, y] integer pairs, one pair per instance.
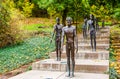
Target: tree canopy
{"points": [[79, 8], [11, 11]]}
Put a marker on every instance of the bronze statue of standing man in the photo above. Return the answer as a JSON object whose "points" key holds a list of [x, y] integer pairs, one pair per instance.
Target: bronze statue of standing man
{"points": [[58, 33], [71, 44], [91, 29]]}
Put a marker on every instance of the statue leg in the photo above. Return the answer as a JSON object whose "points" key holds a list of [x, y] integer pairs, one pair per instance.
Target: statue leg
{"points": [[86, 33], [97, 28], [91, 38], [68, 60], [95, 41], [73, 60], [59, 51], [56, 43]]}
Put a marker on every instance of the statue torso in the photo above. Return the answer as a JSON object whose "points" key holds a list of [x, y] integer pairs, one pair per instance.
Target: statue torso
{"points": [[69, 33], [91, 25], [58, 29]]}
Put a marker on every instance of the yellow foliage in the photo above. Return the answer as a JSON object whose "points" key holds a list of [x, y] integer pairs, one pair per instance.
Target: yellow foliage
{"points": [[11, 34], [93, 7], [27, 8], [101, 8], [112, 64], [116, 66]]}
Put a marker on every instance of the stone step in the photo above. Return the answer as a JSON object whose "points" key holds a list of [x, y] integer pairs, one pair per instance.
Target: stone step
{"points": [[104, 31], [86, 76], [82, 54], [102, 34], [91, 66], [97, 37], [101, 47], [98, 46], [105, 39], [84, 41], [106, 27], [36, 74]]}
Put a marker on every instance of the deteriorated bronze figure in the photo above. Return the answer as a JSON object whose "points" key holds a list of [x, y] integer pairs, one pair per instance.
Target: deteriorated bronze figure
{"points": [[71, 44]]}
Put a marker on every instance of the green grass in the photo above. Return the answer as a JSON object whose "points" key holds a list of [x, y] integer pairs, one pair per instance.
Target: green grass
{"points": [[38, 27], [13, 57], [106, 23]]}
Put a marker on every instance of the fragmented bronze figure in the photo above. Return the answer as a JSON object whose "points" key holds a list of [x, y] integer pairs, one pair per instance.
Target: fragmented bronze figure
{"points": [[58, 32], [71, 44], [91, 29], [84, 27]]}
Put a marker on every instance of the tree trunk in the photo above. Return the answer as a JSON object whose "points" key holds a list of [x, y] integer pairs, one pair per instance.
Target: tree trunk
{"points": [[64, 15]]}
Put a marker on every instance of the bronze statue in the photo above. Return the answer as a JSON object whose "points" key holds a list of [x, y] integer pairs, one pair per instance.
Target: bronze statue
{"points": [[71, 37], [91, 29], [58, 33], [84, 27]]}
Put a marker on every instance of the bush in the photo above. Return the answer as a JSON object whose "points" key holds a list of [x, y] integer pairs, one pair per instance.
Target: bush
{"points": [[27, 8], [9, 24], [5, 37], [114, 53]]}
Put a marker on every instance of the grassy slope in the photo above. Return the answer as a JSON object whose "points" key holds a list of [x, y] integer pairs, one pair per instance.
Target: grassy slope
{"points": [[38, 24], [15, 56]]}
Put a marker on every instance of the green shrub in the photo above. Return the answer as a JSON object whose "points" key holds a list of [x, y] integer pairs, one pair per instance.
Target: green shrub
{"points": [[9, 24], [27, 8], [114, 69]]}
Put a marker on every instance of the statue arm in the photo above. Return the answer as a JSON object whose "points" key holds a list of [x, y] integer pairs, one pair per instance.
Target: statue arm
{"points": [[62, 38], [88, 26], [76, 40], [53, 33]]}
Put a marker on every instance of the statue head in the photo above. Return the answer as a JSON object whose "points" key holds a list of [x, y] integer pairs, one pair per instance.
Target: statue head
{"points": [[91, 16], [58, 20], [69, 21]]}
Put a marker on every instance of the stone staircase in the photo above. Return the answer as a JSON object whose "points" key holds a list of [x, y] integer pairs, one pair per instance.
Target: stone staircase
{"points": [[88, 64], [86, 60]]}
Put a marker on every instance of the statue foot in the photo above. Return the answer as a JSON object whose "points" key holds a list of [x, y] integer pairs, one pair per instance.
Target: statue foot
{"points": [[72, 75], [68, 75], [58, 59], [93, 50]]}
